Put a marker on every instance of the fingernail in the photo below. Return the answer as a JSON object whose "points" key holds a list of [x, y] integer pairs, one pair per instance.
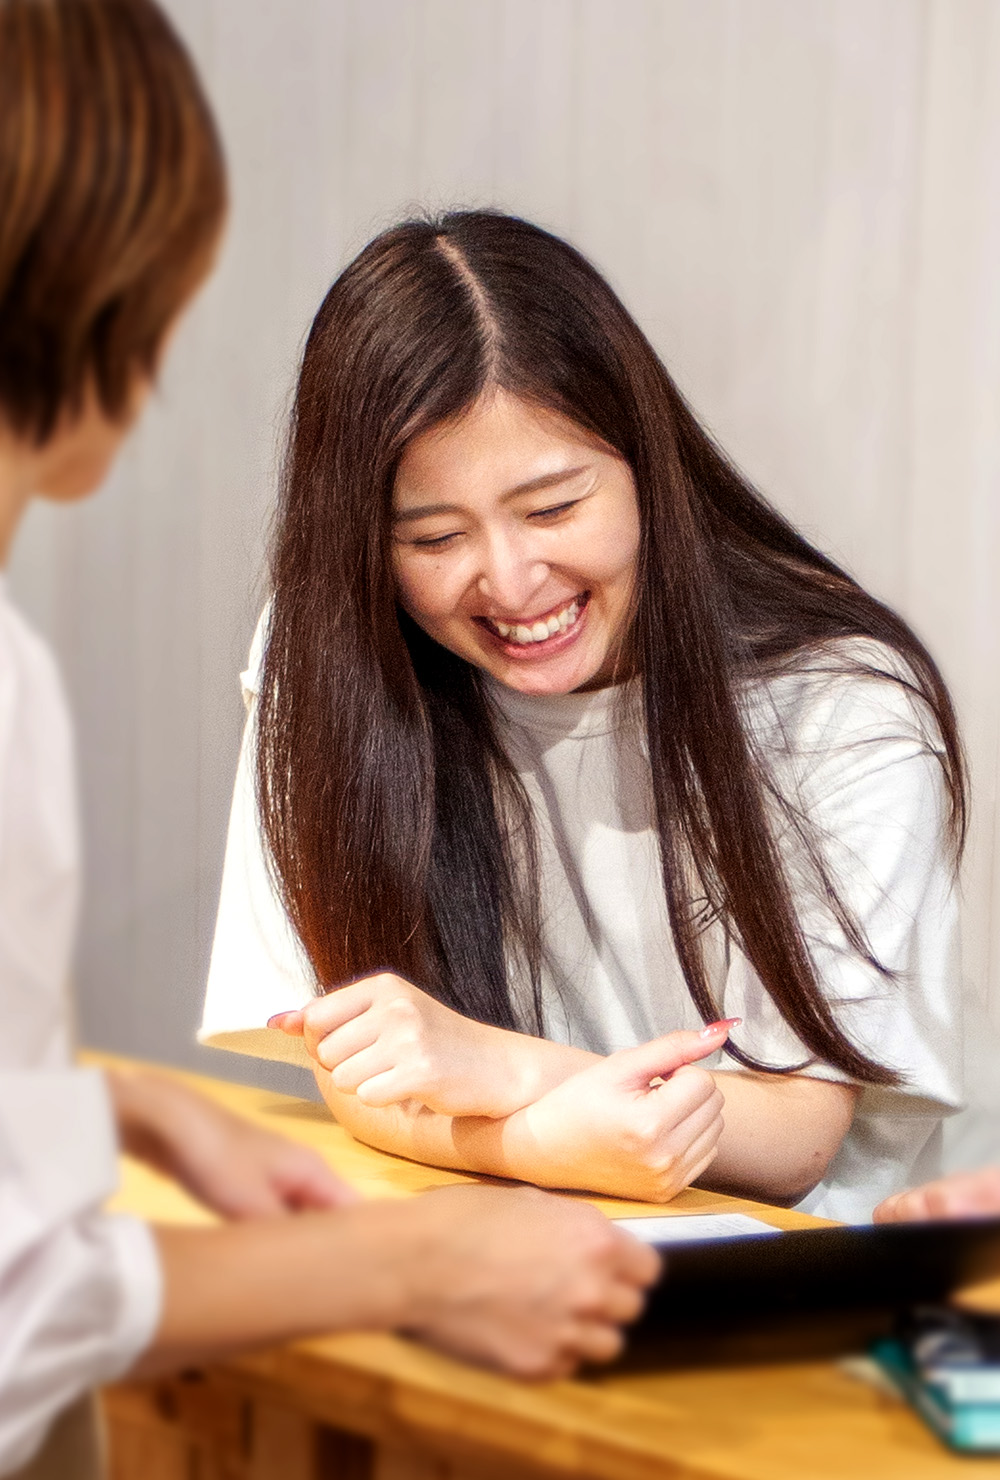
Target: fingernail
{"points": [[723, 1025], [276, 1020]]}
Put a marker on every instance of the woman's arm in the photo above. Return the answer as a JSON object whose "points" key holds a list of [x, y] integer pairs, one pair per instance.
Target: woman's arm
{"points": [[405, 1073], [520, 1280], [782, 1132], [776, 1137], [641, 1124]]}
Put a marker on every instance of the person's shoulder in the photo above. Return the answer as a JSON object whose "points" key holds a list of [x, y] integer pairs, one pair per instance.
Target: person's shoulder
{"points": [[840, 693]]}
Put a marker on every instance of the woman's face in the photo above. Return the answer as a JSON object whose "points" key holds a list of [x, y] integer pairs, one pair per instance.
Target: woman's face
{"points": [[515, 540]]}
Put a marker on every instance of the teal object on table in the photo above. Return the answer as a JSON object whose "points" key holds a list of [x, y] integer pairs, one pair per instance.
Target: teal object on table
{"points": [[947, 1366]]}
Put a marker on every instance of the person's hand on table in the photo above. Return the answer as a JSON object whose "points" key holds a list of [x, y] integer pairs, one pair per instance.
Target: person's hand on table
{"points": [[232, 1166], [520, 1279], [386, 1041], [512, 1278], [642, 1123], [963, 1195]]}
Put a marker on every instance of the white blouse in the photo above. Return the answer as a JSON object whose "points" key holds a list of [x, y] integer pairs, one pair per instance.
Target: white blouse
{"points": [[79, 1290], [856, 753]]}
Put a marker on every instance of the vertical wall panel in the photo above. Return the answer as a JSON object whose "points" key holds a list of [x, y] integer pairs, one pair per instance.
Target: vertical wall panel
{"points": [[536, 140], [458, 102], [382, 94], [952, 525], [615, 68]]}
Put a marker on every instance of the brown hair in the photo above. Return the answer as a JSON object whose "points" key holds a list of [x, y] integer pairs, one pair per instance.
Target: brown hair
{"points": [[112, 195], [391, 814]]}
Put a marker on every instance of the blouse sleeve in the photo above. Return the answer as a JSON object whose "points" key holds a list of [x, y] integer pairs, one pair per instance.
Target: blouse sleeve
{"points": [[258, 966], [861, 763], [80, 1291]]}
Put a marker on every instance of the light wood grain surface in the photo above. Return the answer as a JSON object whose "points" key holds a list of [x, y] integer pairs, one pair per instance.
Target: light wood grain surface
{"points": [[427, 1416]]}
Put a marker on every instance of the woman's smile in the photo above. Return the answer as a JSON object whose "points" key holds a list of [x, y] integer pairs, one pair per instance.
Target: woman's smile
{"points": [[515, 542], [535, 636]]}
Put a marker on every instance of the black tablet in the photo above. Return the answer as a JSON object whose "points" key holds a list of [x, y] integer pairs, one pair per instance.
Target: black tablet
{"points": [[819, 1289]]}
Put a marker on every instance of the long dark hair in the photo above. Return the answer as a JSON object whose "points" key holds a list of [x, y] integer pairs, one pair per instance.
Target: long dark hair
{"points": [[397, 830]]}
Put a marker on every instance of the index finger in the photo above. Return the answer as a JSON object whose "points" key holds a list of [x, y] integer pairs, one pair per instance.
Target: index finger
{"points": [[289, 1022], [325, 1014]]}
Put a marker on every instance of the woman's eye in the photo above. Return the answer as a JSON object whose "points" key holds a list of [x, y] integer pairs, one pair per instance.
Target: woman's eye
{"points": [[435, 541], [554, 510]]}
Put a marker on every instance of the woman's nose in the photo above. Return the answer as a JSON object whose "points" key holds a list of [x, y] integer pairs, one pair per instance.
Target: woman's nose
{"points": [[511, 574]]}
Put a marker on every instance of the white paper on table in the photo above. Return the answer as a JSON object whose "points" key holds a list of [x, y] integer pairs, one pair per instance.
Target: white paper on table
{"points": [[689, 1228]]}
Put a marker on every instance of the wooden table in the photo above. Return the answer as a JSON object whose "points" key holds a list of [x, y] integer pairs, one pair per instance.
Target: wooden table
{"points": [[375, 1407]]}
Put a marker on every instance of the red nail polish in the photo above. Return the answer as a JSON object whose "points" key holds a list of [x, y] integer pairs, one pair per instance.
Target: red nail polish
{"points": [[722, 1025]]}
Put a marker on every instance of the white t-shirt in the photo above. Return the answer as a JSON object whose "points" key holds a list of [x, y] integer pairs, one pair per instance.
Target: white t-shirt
{"points": [[855, 752], [79, 1290]]}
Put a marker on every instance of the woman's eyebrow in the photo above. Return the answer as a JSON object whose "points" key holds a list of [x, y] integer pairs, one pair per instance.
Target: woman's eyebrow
{"points": [[533, 485], [546, 480], [406, 516]]}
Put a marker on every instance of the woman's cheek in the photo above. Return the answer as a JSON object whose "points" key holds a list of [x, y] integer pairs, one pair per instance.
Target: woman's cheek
{"points": [[411, 587], [425, 593], [438, 588]]}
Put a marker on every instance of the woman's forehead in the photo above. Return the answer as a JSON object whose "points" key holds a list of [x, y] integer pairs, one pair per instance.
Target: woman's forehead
{"points": [[498, 446]]}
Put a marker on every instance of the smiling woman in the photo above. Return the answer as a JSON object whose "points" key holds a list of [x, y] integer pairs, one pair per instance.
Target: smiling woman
{"points": [[564, 739], [525, 565]]}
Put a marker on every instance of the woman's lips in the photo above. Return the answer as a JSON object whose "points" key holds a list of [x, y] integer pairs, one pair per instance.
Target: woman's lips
{"points": [[532, 647]]}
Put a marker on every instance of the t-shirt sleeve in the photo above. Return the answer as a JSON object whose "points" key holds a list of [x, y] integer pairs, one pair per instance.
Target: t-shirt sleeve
{"points": [[80, 1291], [861, 764], [258, 966]]}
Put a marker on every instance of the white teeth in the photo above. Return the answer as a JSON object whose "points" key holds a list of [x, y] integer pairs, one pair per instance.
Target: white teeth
{"points": [[541, 630]]}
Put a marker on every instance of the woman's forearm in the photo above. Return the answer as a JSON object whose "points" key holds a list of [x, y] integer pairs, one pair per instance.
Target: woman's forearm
{"points": [[642, 1123], [526, 1067], [471, 1143], [467, 1143], [781, 1133]]}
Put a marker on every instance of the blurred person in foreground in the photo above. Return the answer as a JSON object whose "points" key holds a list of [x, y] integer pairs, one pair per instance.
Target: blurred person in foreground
{"points": [[112, 200]]}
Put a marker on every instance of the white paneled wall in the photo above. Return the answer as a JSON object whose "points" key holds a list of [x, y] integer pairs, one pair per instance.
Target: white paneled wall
{"points": [[800, 200]]}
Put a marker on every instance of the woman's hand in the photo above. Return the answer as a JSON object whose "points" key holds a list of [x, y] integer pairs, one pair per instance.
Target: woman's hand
{"points": [[226, 1162], [387, 1042], [639, 1124], [964, 1195]]}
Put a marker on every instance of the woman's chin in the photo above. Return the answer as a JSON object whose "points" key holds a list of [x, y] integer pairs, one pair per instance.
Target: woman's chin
{"points": [[556, 676]]}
